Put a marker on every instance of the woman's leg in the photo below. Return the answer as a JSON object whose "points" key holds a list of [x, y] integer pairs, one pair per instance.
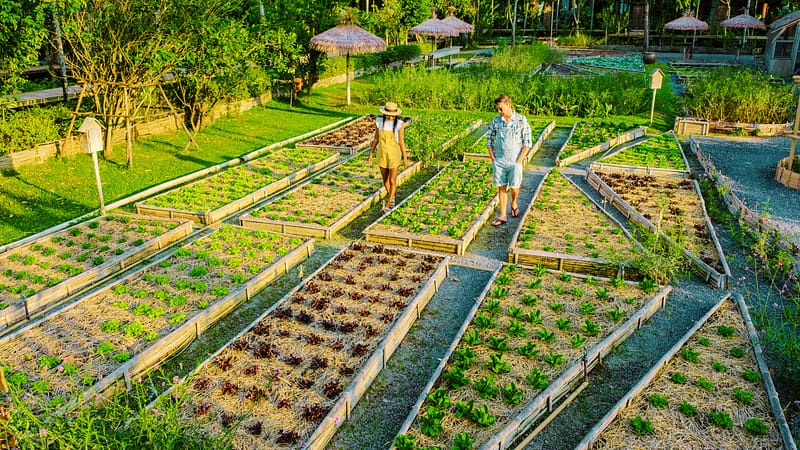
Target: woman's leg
{"points": [[390, 182]]}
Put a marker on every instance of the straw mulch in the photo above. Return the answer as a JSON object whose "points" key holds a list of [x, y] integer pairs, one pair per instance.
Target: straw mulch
{"points": [[670, 204], [284, 374], [563, 220], [671, 429], [350, 135], [628, 298]]}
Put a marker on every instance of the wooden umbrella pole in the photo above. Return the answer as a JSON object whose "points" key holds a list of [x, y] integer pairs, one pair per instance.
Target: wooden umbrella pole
{"points": [[347, 74]]}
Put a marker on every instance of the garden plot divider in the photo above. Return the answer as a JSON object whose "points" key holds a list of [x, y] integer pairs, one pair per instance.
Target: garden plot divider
{"points": [[216, 215], [789, 241], [699, 267], [326, 232], [444, 244], [194, 327], [547, 400], [638, 170], [572, 263], [345, 401], [636, 133], [537, 144], [363, 129], [788, 442], [22, 310]]}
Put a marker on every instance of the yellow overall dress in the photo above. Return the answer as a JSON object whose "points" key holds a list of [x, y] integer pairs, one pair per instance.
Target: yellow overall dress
{"points": [[389, 155]]}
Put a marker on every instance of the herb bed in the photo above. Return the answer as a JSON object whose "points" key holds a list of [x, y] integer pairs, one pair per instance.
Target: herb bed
{"points": [[349, 138], [588, 138], [539, 129], [39, 274], [660, 156], [711, 390], [444, 214], [520, 352], [677, 206], [562, 229], [630, 63], [132, 325], [292, 378], [328, 203], [212, 199]]}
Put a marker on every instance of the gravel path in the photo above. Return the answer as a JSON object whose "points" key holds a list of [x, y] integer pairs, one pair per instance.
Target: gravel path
{"points": [[750, 164]]}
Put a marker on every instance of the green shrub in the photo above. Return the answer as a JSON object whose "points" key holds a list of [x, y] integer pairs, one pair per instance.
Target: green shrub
{"points": [[24, 129]]}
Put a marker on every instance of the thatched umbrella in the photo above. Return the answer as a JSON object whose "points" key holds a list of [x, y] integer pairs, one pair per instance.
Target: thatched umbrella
{"points": [[434, 27], [743, 21], [455, 22], [347, 39], [687, 22]]}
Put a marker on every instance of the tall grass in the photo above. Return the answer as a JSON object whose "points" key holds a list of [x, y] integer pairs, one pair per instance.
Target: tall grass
{"points": [[739, 95], [537, 94], [122, 421], [524, 59]]}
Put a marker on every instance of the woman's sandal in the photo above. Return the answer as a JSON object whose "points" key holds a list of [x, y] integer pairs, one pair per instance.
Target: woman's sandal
{"points": [[498, 222]]}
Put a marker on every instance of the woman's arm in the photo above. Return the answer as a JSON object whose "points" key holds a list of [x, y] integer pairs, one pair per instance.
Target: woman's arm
{"points": [[401, 140], [374, 144]]}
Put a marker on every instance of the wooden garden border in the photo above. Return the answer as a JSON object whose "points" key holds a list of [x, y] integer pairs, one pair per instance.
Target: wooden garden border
{"points": [[639, 170], [537, 144], [23, 309], [347, 150], [547, 399], [788, 443], [348, 399], [786, 177], [213, 216], [737, 207], [170, 344], [325, 232], [703, 270], [601, 147], [159, 188], [572, 263], [425, 242]]}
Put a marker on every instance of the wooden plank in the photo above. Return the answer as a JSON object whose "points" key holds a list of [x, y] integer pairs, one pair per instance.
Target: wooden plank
{"points": [[45, 298]]}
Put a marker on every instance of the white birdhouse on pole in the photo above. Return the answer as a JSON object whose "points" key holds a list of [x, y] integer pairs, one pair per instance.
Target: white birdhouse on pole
{"points": [[94, 144]]}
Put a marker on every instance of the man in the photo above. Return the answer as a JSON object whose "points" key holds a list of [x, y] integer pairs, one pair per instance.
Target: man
{"points": [[509, 140]]}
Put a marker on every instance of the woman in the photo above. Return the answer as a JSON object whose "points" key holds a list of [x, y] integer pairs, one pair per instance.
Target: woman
{"points": [[390, 148]]}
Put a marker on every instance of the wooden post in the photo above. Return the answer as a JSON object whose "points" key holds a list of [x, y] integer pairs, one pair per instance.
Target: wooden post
{"points": [[74, 116]]}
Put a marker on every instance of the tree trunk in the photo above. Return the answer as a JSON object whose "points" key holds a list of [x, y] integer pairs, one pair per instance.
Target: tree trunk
{"points": [[514, 26], [646, 43]]}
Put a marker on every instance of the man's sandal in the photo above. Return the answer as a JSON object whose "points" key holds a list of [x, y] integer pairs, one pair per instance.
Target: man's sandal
{"points": [[514, 212]]}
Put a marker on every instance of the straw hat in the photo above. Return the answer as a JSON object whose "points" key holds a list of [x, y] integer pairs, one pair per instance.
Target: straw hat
{"points": [[390, 109]]}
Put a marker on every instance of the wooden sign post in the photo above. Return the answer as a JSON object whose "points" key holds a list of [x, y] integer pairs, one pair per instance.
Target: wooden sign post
{"points": [[656, 78], [94, 144]]}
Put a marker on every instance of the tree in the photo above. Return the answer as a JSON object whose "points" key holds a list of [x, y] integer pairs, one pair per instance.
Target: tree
{"points": [[117, 47], [22, 33]]}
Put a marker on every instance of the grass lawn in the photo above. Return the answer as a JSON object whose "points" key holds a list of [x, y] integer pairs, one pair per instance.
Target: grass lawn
{"points": [[40, 196]]}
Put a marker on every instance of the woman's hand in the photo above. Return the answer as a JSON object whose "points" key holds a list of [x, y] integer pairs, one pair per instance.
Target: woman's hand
{"points": [[405, 163], [369, 160]]}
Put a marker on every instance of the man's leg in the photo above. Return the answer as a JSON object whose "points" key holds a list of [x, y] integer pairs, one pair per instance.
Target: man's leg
{"points": [[502, 201], [514, 194]]}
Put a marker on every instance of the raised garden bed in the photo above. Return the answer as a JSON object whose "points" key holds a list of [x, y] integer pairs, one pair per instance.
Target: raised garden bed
{"points": [[520, 352], [711, 390], [541, 130], [293, 377], [39, 274], [563, 230], [214, 198], [672, 207], [629, 63], [588, 139], [328, 203], [444, 214], [137, 322], [349, 138], [435, 131], [660, 156]]}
